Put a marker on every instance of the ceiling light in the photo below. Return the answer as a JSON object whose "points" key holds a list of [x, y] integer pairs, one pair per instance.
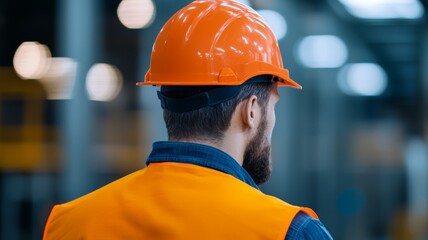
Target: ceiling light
{"points": [[103, 82], [60, 78], [364, 79], [384, 9], [136, 13], [31, 60], [322, 51]]}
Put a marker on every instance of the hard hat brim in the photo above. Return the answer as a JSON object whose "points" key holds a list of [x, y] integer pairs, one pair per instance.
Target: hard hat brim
{"points": [[225, 79]]}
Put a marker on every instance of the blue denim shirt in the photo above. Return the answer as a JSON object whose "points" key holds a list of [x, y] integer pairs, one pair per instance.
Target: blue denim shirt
{"points": [[303, 226]]}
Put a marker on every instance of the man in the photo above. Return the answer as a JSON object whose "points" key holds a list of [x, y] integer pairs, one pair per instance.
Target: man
{"points": [[219, 67]]}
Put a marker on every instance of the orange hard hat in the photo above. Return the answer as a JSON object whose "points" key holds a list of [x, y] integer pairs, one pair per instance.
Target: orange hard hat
{"points": [[215, 42]]}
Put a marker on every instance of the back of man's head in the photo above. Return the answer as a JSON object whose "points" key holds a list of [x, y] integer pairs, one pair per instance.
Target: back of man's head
{"points": [[210, 122]]}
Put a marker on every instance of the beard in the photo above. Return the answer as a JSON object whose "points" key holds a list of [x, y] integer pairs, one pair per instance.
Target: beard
{"points": [[257, 161]]}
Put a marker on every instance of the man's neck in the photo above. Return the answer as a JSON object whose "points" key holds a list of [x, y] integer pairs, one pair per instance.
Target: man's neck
{"points": [[229, 145]]}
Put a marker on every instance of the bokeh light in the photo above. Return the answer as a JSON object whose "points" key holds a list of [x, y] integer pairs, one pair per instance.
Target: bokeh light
{"points": [[31, 60], [322, 51], [275, 21], [103, 82], [364, 79], [384, 9], [136, 13], [59, 78]]}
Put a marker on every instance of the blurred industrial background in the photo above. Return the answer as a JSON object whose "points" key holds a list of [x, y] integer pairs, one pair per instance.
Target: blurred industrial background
{"points": [[352, 144]]}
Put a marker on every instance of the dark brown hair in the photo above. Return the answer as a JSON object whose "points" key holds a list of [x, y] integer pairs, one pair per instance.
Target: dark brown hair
{"points": [[210, 123]]}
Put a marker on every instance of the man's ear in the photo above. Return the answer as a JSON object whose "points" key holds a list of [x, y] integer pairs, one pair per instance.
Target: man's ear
{"points": [[250, 112]]}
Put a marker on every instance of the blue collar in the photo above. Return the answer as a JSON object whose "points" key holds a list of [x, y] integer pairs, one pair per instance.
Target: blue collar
{"points": [[201, 155]]}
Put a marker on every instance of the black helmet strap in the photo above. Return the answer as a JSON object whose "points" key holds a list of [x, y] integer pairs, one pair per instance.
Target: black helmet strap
{"points": [[210, 97]]}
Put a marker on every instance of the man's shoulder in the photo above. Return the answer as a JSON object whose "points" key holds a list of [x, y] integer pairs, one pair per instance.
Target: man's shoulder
{"points": [[275, 202], [305, 227]]}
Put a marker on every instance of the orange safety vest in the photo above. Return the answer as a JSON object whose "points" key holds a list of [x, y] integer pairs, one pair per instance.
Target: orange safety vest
{"points": [[173, 201]]}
